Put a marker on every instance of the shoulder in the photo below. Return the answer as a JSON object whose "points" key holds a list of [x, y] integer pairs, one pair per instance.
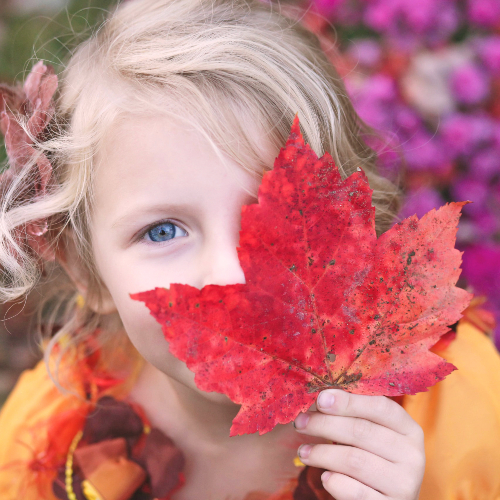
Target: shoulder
{"points": [[460, 417]]}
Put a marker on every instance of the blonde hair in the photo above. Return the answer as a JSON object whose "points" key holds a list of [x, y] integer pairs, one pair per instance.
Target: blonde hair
{"points": [[223, 63]]}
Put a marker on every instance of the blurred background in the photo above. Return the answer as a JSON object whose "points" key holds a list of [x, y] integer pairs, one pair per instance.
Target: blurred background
{"points": [[425, 75]]}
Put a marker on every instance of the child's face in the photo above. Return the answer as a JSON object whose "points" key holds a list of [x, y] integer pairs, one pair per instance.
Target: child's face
{"points": [[166, 211]]}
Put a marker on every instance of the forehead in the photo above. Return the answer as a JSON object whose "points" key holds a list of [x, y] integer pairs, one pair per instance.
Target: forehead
{"points": [[153, 157]]}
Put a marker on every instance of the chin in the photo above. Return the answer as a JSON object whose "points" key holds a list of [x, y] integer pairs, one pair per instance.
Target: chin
{"points": [[216, 397], [177, 370], [185, 376]]}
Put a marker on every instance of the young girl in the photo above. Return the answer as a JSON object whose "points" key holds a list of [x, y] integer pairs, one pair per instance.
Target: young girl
{"points": [[164, 122]]}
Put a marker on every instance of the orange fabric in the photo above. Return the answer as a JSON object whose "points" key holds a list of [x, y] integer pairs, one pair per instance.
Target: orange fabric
{"points": [[460, 417], [33, 402]]}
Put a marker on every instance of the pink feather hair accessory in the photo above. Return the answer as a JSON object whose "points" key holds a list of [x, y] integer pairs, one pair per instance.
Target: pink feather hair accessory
{"points": [[32, 104]]}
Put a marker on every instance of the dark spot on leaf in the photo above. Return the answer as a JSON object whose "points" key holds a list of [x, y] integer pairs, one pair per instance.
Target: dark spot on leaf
{"points": [[410, 255], [351, 332]]}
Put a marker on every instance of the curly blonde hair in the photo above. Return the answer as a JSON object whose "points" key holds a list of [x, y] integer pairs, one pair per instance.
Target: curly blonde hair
{"points": [[223, 63]]}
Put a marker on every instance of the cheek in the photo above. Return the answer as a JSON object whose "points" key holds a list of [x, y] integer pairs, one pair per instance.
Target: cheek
{"points": [[146, 335]]}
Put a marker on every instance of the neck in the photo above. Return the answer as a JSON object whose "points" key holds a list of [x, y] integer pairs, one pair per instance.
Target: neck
{"points": [[194, 420]]}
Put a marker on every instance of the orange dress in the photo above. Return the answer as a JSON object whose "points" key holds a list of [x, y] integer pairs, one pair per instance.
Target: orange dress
{"points": [[460, 417]]}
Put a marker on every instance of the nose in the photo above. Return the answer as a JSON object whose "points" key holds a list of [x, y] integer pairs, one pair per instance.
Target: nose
{"points": [[221, 265]]}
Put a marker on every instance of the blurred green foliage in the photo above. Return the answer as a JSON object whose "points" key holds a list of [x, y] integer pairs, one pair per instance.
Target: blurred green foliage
{"points": [[42, 35]]}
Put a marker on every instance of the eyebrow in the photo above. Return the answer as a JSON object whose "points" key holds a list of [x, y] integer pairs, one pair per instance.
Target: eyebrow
{"points": [[153, 211]]}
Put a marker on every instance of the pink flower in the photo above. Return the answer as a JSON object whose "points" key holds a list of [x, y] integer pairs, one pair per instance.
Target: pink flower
{"points": [[34, 101], [470, 84], [484, 12], [366, 52], [489, 52], [327, 8], [344, 12]]}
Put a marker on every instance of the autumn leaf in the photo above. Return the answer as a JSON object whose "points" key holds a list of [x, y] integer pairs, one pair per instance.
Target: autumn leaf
{"points": [[325, 304]]}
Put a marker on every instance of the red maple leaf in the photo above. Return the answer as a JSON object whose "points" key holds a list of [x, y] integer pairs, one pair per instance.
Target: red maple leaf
{"points": [[325, 304]]}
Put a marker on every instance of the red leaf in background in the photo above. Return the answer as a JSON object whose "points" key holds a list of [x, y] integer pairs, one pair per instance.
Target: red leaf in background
{"points": [[326, 304]]}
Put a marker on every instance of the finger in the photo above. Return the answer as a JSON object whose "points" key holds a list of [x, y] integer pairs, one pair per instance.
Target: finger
{"points": [[377, 409], [343, 487], [361, 465], [360, 433]]}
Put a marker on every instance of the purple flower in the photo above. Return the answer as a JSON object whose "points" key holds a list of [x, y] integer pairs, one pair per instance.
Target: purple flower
{"points": [[486, 163], [413, 23], [421, 201], [423, 152], [495, 194], [481, 269], [374, 102], [484, 12], [496, 134], [407, 120], [456, 134], [388, 153], [471, 189], [486, 224], [470, 84], [463, 134]]}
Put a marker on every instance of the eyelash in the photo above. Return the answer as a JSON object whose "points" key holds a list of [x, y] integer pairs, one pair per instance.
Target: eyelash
{"points": [[142, 235]]}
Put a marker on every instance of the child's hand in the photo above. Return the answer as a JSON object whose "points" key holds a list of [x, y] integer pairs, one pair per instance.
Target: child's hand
{"points": [[380, 451]]}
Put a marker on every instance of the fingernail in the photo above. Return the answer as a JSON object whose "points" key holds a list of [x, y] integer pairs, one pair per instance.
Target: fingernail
{"points": [[326, 400], [301, 421], [325, 475], [304, 450]]}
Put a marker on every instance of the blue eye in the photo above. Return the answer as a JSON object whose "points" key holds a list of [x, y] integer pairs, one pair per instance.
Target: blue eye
{"points": [[164, 232]]}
